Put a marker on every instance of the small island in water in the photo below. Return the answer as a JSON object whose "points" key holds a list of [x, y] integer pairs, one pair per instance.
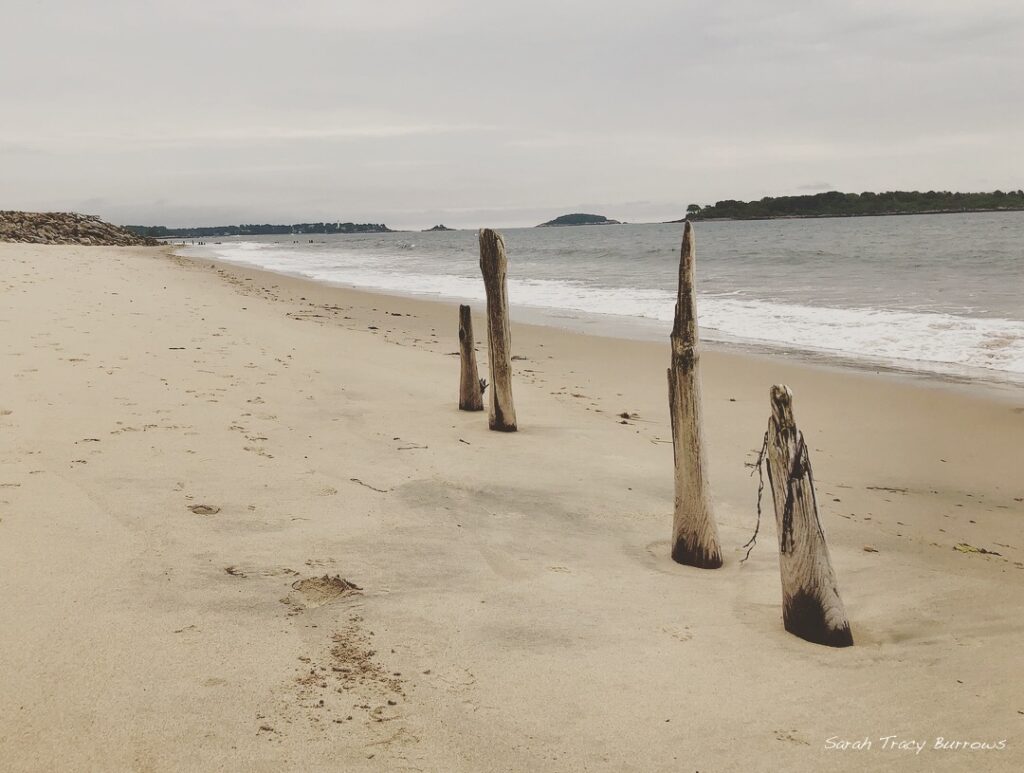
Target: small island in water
{"points": [[441, 227], [836, 204], [579, 219]]}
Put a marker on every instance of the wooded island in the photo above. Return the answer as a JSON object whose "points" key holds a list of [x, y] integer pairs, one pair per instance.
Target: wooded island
{"points": [[579, 218], [836, 204]]}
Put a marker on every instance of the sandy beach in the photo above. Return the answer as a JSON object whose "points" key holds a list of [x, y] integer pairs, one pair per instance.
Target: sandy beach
{"points": [[243, 526]]}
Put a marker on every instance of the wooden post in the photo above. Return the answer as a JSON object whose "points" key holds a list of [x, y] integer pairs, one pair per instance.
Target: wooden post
{"points": [[470, 394], [694, 533], [494, 266], [811, 607]]}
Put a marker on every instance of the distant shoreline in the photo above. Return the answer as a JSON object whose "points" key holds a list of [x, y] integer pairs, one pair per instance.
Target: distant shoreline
{"points": [[851, 214], [264, 229], [839, 204]]}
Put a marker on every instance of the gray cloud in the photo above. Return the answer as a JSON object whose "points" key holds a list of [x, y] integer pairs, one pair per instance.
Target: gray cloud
{"points": [[472, 113]]}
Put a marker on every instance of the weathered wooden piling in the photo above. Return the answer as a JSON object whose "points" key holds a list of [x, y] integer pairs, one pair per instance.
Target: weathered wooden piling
{"points": [[811, 607], [494, 267], [470, 393], [694, 533]]}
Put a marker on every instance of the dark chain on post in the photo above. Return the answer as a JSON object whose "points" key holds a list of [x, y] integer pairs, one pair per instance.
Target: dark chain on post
{"points": [[759, 465]]}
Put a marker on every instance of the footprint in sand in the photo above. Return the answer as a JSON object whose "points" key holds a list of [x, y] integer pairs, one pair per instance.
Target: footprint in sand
{"points": [[204, 509], [274, 571], [678, 633], [317, 591], [791, 736]]}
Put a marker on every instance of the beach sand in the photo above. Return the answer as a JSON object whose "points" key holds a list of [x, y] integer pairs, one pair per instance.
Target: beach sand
{"points": [[187, 449]]}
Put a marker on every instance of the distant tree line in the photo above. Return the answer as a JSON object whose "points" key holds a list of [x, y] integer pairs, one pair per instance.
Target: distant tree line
{"points": [[163, 232], [836, 204]]}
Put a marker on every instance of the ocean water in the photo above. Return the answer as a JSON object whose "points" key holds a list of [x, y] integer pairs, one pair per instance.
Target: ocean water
{"points": [[933, 293]]}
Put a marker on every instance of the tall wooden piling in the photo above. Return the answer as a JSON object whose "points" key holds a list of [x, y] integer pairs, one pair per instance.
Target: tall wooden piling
{"points": [[811, 607], [470, 393], [494, 267], [694, 533]]}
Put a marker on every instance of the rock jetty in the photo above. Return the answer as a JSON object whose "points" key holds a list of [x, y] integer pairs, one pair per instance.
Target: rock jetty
{"points": [[65, 228]]}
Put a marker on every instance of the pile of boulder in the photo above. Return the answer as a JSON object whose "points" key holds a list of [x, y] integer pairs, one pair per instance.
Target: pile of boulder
{"points": [[65, 228]]}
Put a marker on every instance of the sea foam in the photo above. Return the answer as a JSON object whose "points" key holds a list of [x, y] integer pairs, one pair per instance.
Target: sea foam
{"points": [[919, 340]]}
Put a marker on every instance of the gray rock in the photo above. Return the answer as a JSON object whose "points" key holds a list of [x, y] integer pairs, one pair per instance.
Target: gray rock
{"points": [[65, 228]]}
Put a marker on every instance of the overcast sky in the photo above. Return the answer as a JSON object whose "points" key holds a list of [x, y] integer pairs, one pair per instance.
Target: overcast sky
{"points": [[471, 112]]}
